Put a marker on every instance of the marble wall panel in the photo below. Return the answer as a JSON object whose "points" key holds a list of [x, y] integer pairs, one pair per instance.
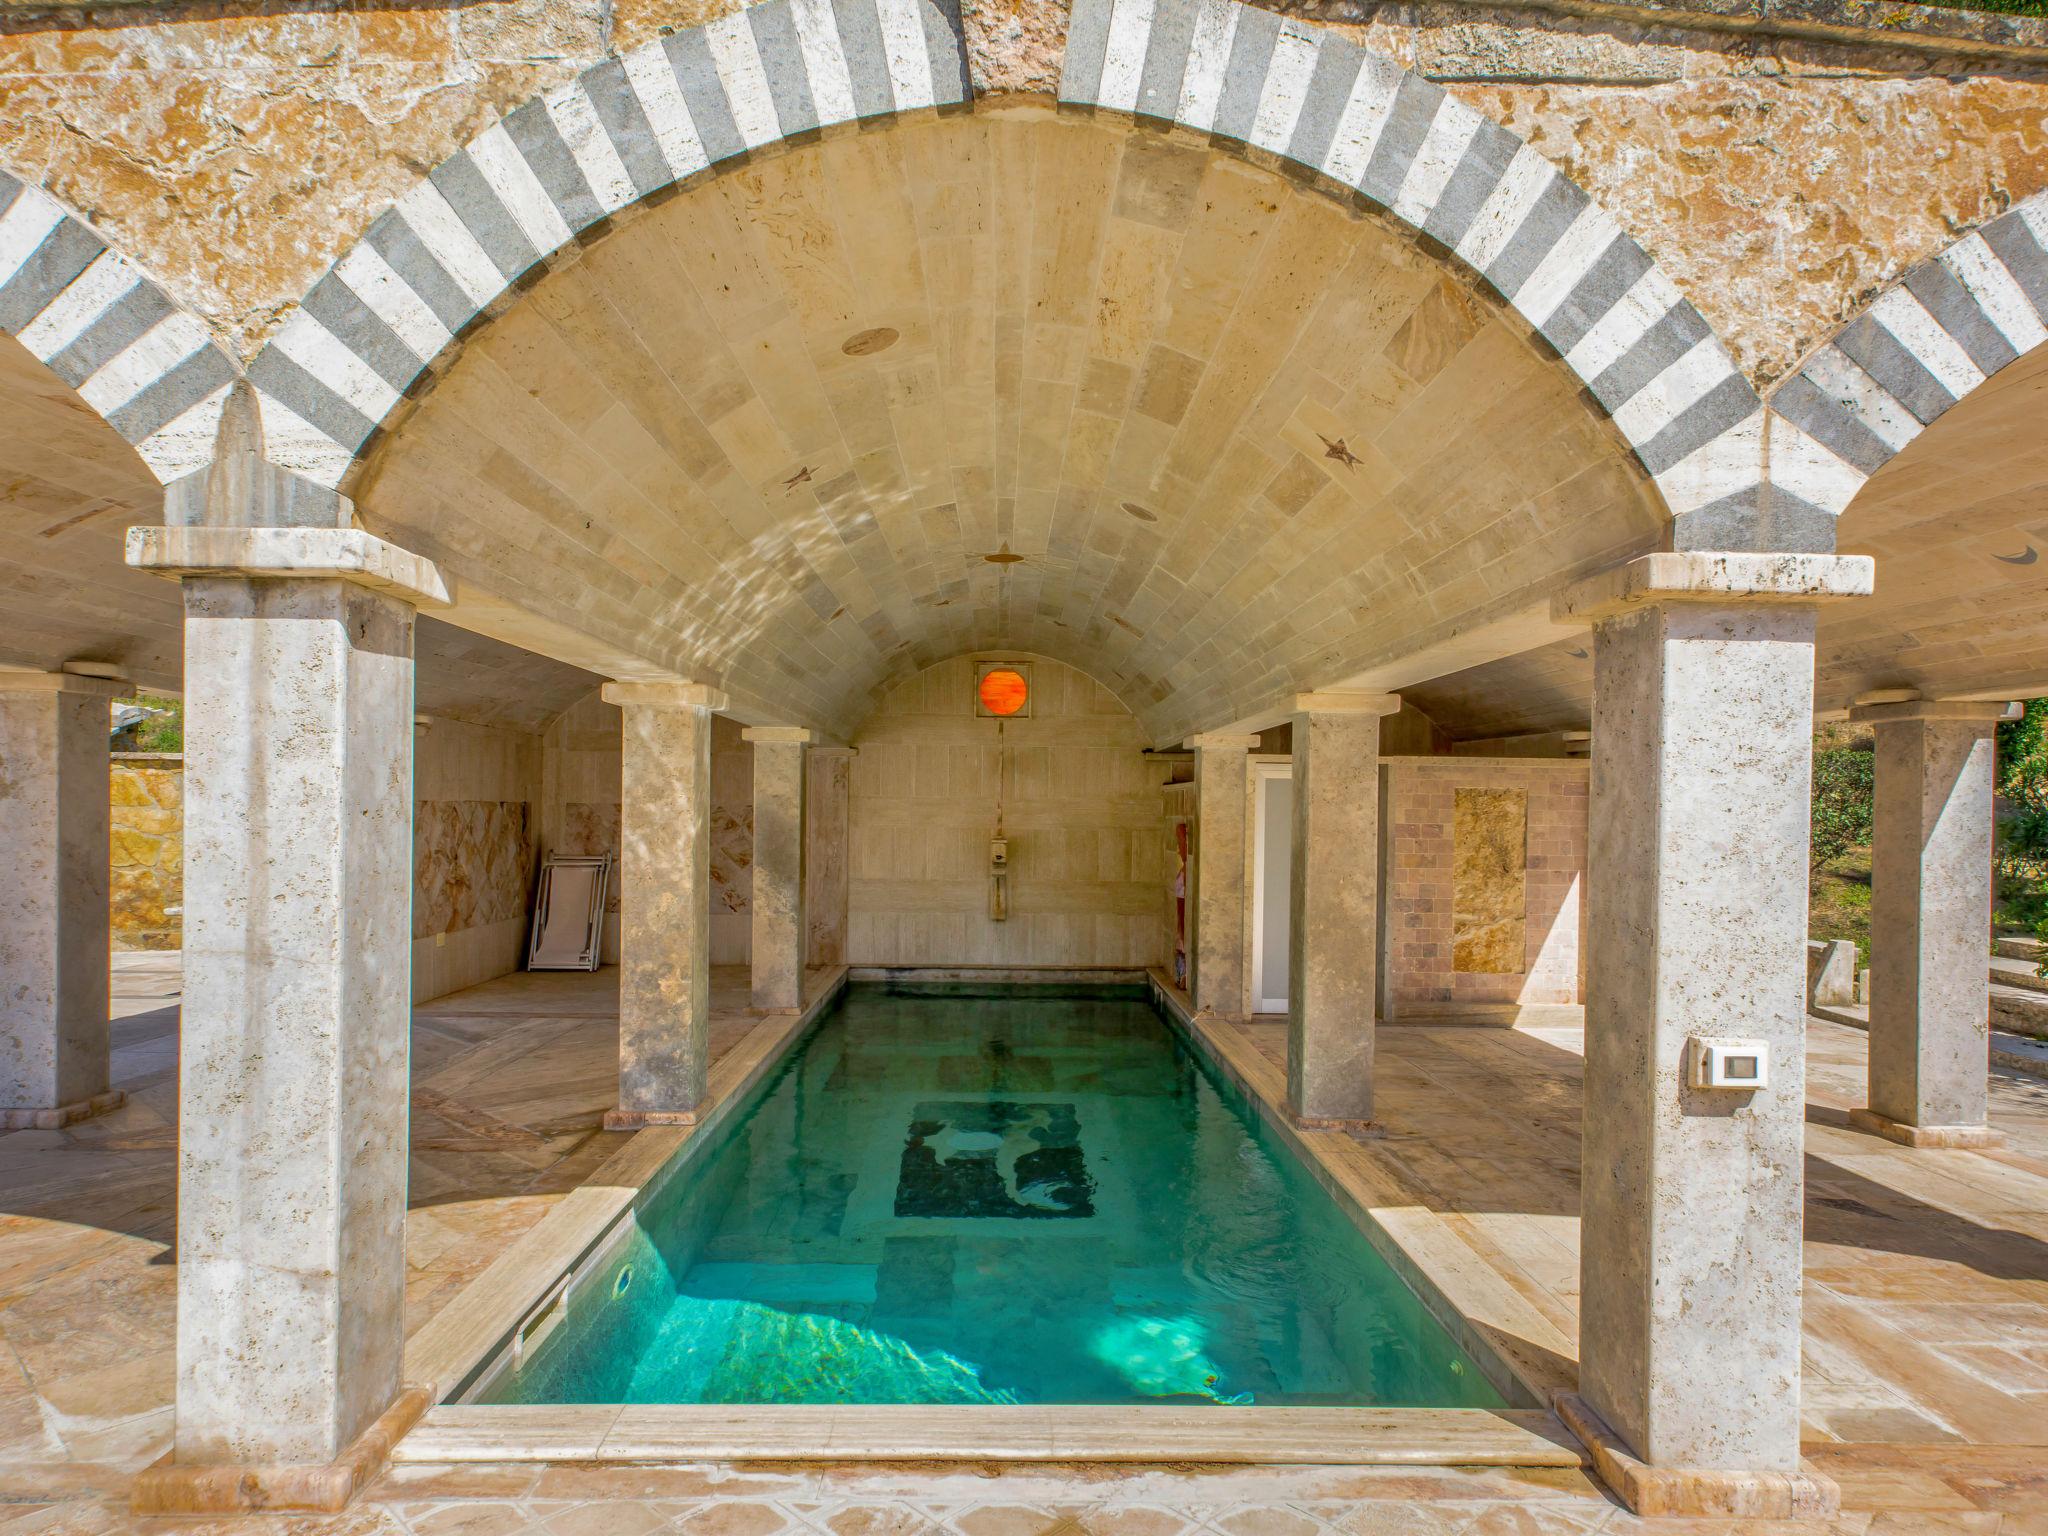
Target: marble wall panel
{"points": [[1489, 860], [473, 863]]}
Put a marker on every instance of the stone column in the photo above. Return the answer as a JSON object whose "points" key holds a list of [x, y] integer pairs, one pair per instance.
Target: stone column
{"points": [[53, 909], [1222, 875], [829, 771], [1692, 1197], [664, 902], [779, 930], [1333, 913], [297, 953], [1930, 922]]}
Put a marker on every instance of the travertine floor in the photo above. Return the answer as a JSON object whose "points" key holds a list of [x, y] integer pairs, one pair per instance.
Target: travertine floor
{"points": [[1927, 1309]]}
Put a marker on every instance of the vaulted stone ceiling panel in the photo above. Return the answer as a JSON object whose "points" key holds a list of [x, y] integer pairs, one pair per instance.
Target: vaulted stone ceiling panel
{"points": [[1007, 380]]}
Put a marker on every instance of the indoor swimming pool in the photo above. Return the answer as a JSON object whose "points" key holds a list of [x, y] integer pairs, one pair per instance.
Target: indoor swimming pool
{"points": [[1022, 1195]]}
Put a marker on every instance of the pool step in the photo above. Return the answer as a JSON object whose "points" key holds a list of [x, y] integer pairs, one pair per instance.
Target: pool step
{"points": [[687, 1433]]}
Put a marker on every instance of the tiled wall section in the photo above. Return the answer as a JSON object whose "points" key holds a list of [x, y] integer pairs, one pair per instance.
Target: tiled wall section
{"points": [[581, 815], [146, 873], [1422, 976], [1082, 810], [476, 813]]}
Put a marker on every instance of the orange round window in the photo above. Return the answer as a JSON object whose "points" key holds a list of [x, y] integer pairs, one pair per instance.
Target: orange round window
{"points": [[1003, 692]]}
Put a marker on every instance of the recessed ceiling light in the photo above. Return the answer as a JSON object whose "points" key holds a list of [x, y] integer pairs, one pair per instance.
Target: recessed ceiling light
{"points": [[868, 343]]}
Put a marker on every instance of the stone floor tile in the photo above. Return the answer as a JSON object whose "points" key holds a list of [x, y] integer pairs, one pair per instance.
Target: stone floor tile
{"points": [[472, 1517], [607, 1517], [1266, 1520], [1016, 1520], [733, 1517]]}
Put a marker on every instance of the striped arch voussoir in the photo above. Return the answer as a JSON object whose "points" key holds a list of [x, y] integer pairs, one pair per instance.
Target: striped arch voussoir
{"points": [[1891, 372], [1404, 145], [534, 181], [84, 310]]}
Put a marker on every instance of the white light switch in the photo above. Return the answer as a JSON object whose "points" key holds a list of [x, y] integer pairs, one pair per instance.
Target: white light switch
{"points": [[1729, 1064]]}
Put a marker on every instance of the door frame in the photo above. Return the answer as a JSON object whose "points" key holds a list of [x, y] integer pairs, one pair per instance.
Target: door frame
{"points": [[1264, 771]]}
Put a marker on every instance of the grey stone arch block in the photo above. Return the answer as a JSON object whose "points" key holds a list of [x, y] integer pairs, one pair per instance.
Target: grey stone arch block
{"points": [[483, 225], [150, 368], [1359, 124], [1893, 370]]}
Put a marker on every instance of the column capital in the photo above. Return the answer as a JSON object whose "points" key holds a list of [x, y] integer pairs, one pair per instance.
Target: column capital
{"points": [[673, 694], [26, 680], [1709, 576], [281, 554], [1340, 701], [1224, 741], [783, 735], [1895, 711]]}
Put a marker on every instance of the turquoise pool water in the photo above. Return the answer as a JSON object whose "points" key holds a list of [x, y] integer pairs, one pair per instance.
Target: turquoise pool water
{"points": [[994, 1198]]}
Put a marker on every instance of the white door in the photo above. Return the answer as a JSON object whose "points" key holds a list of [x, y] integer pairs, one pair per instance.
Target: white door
{"points": [[1272, 883]]}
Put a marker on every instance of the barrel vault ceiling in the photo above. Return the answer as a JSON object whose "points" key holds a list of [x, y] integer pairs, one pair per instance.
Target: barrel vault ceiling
{"points": [[1958, 523], [70, 488], [990, 381]]}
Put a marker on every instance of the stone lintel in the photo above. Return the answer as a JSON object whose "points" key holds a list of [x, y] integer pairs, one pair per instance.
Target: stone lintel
{"points": [[669, 695], [1347, 702], [1884, 713], [282, 554], [1975, 1137], [787, 735], [1224, 741], [1713, 576], [24, 680], [184, 1488], [1706, 1492]]}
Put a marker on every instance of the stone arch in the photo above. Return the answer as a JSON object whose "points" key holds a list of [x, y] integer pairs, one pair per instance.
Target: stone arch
{"points": [[1935, 335], [91, 316], [557, 170]]}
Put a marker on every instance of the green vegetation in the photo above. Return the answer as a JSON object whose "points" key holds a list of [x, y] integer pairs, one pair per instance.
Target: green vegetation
{"points": [[1843, 783], [2003, 7], [1844, 780], [2020, 892], [163, 731]]}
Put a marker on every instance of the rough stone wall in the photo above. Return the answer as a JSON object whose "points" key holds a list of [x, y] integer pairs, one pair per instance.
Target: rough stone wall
{"points": [[146, 849], [1780, 182]]}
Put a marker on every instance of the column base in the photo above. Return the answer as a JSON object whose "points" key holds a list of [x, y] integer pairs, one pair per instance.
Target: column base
{"points": [[641, 1119], [1709, 1492], [168, 1487], [1370, 1128], [63, 1115], [1959, 1136]]}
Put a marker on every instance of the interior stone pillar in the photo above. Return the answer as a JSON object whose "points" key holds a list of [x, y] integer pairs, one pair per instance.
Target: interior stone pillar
{"points": [[297, 959], [1333, 923], [1222, 874], [1930, 922], [664, 901], [53, 910], [828, 775], [780, 935], [1692, 1197]]}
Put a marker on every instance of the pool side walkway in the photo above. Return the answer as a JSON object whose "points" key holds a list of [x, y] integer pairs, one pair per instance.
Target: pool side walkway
{"points": [[1926, 1322]]}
